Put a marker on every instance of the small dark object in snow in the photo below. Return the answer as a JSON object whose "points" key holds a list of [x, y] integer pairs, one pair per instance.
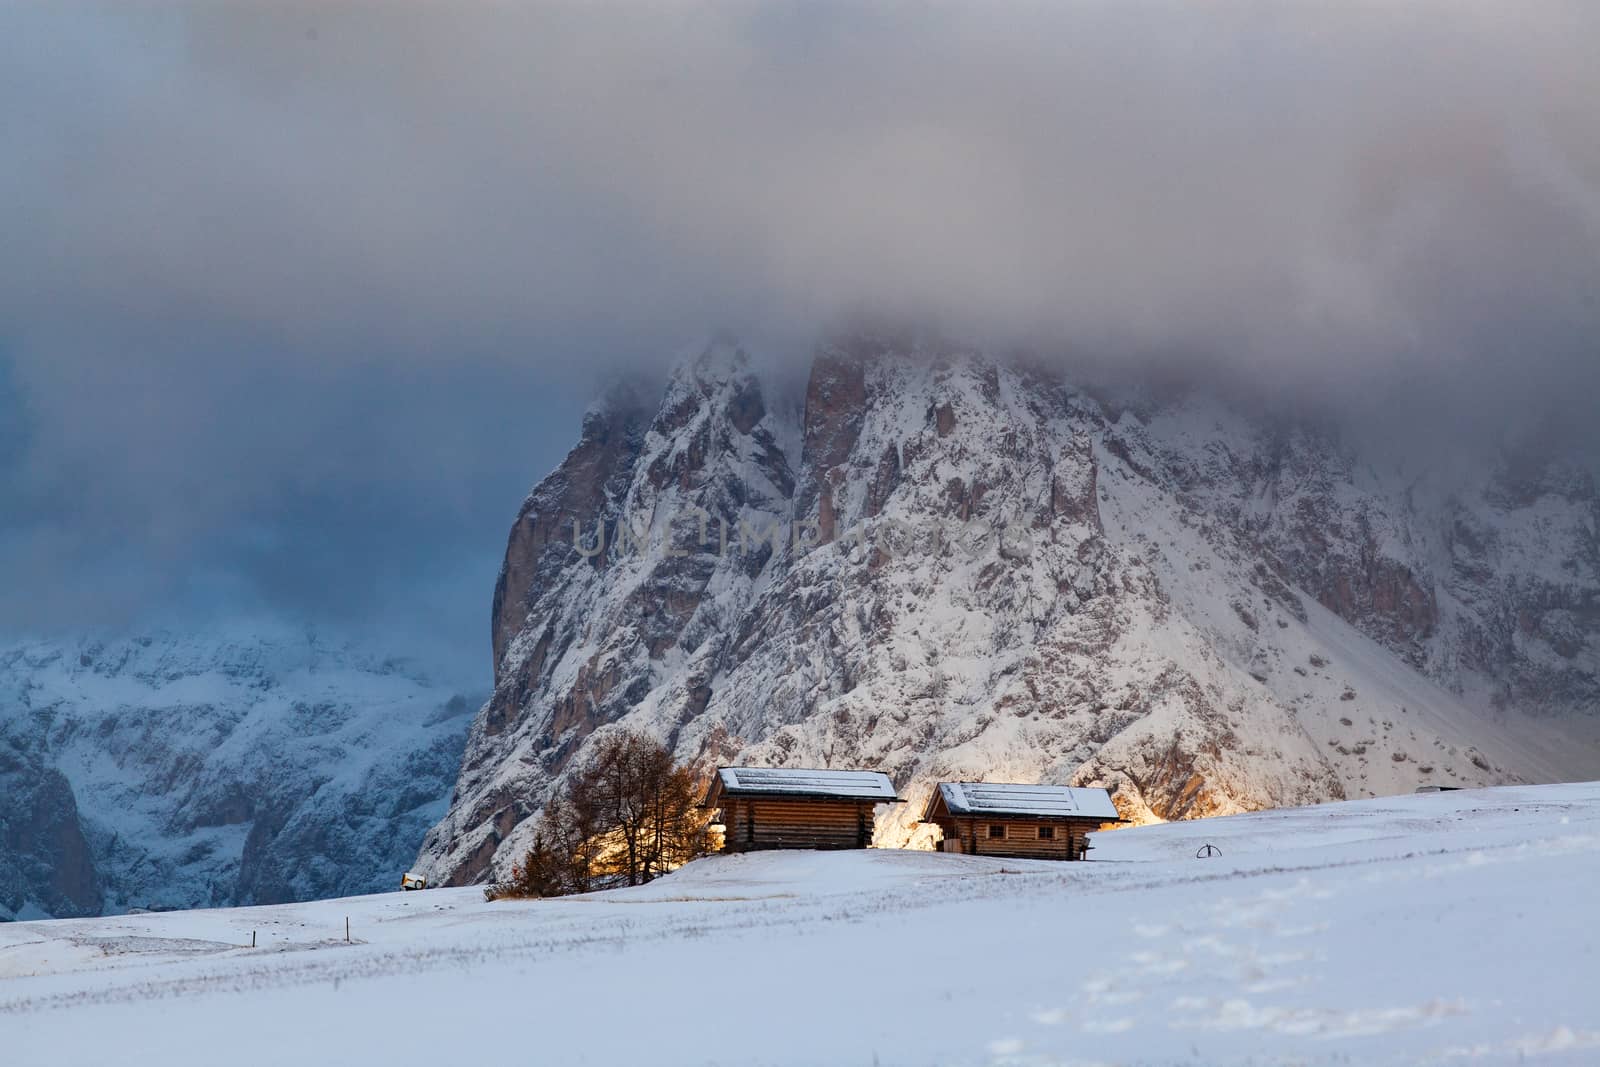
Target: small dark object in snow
{"points": [[1206, 851]]}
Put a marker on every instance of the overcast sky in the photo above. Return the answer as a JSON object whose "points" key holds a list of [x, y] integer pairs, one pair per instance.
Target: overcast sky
{"points": [[296, 302]]}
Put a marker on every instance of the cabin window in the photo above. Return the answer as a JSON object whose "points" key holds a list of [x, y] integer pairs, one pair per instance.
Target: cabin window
{"points": [[1047, 833], [997, 830]]}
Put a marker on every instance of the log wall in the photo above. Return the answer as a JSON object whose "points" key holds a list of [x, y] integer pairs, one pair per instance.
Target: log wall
{"points": [[803, 822], [1022, 838]]}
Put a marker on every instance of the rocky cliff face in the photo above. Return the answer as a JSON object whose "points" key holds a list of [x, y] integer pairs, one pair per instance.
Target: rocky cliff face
{"points": [[1490, 585], [48, 869], [949, 567], [248, 767]]}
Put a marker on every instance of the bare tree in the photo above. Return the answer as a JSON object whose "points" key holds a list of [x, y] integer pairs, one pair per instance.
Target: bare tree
{"points": [[628, 815]]}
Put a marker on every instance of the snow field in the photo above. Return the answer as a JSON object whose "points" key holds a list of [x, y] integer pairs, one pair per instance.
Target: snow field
{"points": [[1438, 928]]}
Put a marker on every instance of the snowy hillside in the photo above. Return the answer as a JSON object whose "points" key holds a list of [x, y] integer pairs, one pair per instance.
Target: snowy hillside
{"points": [[1445, 928], [948, 567], [182, 770]]}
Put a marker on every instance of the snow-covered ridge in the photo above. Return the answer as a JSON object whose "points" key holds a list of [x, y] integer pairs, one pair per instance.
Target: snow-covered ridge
{"points": [[251, 764], [1004, 577]]}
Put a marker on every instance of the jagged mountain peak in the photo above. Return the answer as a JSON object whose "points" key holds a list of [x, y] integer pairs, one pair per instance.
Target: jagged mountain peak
{"points": [[952, 565]]}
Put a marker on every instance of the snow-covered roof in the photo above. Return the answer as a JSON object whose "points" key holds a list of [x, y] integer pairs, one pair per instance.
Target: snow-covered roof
{"points": [[1059, 801], [856, 785]]}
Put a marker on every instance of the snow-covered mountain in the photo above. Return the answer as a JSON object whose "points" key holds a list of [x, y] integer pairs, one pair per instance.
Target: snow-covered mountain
{"points": [[947, 566], [254, 765]]}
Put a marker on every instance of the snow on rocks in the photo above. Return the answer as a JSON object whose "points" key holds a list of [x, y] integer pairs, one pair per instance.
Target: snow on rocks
{"points": [[946, 567], [255, 764]]}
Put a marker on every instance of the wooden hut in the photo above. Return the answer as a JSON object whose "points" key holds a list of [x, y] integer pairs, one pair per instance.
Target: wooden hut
{"points": [[1047, 822], [765, 807]]}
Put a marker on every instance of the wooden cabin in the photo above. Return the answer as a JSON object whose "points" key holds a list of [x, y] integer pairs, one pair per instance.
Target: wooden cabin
{"points": [[1046, 822], [768, 807]]}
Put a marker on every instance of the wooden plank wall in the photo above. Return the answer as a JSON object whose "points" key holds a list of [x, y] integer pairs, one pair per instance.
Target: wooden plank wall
{"points": [[804, 822], [1022, 838]]}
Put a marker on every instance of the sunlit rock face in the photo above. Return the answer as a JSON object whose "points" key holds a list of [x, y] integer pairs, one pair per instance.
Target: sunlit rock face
{"points": [[947, 566], [256, 765]]}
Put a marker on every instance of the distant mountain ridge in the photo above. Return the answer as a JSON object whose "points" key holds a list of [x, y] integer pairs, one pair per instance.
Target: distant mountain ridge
{"points": [[251, 765], [948, 566]]}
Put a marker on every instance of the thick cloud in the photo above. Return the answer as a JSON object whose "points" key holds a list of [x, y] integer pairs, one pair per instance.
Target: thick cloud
{"points": [[296, 301]]}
